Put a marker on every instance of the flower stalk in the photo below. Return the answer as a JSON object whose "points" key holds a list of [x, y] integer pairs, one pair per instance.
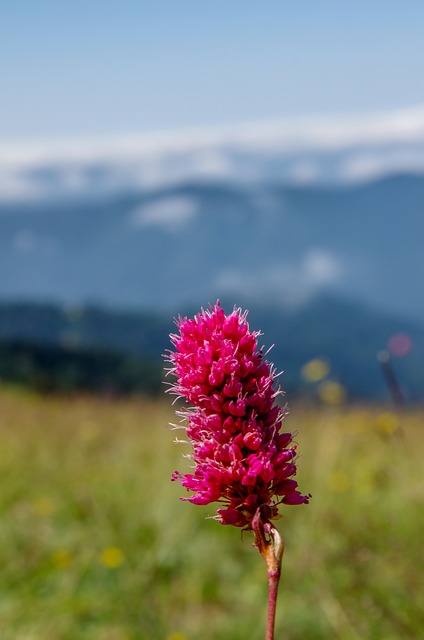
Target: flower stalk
{"points": [[270, 545]]}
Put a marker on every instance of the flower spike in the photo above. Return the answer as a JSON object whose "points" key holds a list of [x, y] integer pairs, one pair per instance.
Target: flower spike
{"points": [[243, 458]]}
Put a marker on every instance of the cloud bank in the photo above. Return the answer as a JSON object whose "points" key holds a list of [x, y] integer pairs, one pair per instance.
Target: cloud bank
{"points": [[293, 283], [170, 213], [296, 151]]}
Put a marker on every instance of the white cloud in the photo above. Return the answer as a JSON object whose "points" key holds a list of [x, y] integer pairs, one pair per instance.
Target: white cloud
{"points": [[306, 149], [320, 268], [170, 213], [291, 284], [376, 164], [16, 187]]}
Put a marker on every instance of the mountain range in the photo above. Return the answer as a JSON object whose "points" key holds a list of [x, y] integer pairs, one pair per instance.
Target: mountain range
{"points": [[194, 242], [317, 228]]}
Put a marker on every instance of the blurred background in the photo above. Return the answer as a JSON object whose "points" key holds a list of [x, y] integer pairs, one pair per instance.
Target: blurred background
{"points": [[156, 156]]}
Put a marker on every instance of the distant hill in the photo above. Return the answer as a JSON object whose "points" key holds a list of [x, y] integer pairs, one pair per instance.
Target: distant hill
{"points": [[188, 244], [129, 345], [61, 369]]}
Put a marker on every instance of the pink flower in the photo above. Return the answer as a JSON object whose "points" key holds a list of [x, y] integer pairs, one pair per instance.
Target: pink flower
{"points": [[242, 458]]}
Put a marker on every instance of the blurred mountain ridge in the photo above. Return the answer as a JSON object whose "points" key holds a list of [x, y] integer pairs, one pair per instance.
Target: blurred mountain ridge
{"points": [[191, 243]]}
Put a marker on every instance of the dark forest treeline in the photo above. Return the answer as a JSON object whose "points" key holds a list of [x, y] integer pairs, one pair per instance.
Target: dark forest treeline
{"points": [[56, 369], [65, 348]]}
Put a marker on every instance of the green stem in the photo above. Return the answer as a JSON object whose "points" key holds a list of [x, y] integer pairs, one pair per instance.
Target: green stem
{"points": [[270, 544]]}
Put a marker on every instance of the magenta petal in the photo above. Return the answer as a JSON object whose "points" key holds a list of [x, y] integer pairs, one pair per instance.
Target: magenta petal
{"points": [[296, 498], [232, 516]]}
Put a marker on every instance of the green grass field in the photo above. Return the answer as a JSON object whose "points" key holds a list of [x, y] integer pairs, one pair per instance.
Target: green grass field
{"points": [[96, 545]]}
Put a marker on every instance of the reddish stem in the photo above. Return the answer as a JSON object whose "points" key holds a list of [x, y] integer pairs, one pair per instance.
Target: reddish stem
{"points": [[270, 544]]}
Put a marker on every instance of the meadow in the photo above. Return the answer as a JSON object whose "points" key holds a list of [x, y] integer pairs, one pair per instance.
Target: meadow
{"points": [[96, 545]]}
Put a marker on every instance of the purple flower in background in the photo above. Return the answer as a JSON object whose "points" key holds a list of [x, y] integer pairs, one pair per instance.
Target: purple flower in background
{"points": [[242, 457]]}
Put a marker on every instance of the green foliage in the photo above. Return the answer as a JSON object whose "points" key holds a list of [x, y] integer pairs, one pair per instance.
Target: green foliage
{"points": [[95, 545]]}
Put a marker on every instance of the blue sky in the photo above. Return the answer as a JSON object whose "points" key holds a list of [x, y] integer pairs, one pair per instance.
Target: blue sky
{"points": [[91, 67]]}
